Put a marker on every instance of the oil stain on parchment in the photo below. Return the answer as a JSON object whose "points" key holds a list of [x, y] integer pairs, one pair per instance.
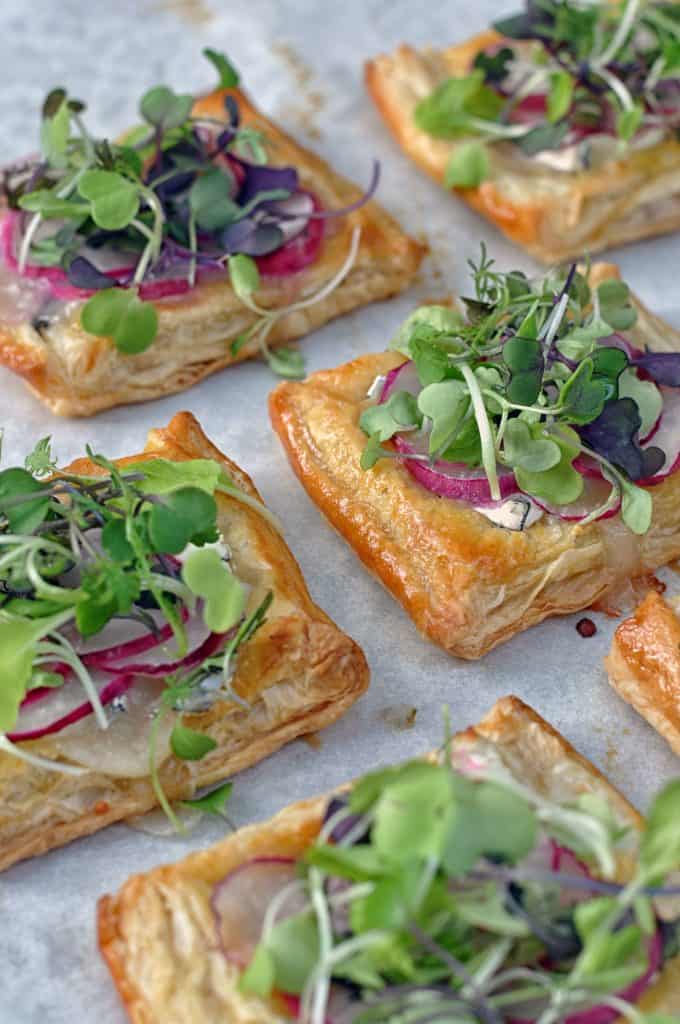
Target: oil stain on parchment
{"points": [[309, 101]]}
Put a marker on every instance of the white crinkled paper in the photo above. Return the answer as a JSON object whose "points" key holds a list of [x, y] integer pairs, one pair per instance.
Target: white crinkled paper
{"points": [[302, 61]]}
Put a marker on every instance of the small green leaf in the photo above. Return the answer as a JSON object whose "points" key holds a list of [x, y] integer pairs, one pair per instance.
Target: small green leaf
{"points": [[636, 507], [456, 105], [228, 75], [389, 418], [468, 166], [181, 516], [523, 452], [628, 121], [243, 274], [209, 577], [211, 202], [439, 319], [582, 397], [616, 308], [18, 642], [646, 396], [545, 136], [214, 802], [115, 542], [560, 95], [287, 362], [445, 404], [372, 453], [524, 358], [119, 314], [189, 745], [293, 945], [161, 476], [561, 484], [260, 974], [413, 813], [164, 108], [41, 461], [55, 131], [25, 516], [52, 207], [114, 200]]}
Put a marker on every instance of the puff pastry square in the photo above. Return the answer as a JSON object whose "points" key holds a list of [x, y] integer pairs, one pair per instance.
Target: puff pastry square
{"points": [[644, 665], [157, 934], [298, 673], [77, 374], [467, 584], [554, 215]]}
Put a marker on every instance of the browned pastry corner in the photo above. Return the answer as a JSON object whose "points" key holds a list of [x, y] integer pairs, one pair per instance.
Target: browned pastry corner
{"points": [[467, 584], [157, 934], [298, 673], [555, 215], [77, 374], [644, 665]]}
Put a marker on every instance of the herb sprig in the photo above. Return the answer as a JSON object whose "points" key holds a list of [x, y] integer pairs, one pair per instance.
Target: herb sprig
{"points": [[567, 70], [532, 377], [425, 900]]}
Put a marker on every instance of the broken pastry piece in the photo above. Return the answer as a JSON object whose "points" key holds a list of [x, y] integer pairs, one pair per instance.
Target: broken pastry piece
{"points": [[644, 665], [206, 236], [503, 462], [156, 636], [418, 893], [559, 125]]}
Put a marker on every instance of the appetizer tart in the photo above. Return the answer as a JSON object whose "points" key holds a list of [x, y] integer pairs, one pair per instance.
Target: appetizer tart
{"points": [[501, 463], [206, 236], [559, 125], [502, 880], [644, 665], [156, 635]]}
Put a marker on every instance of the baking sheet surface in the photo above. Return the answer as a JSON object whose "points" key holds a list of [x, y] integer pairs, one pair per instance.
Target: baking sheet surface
{"points": [[302, 61]]}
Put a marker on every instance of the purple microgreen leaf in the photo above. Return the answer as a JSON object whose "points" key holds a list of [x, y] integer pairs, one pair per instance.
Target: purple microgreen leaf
{"points": [[614, 435], [83, 274], [662, 367], [261, 178]]}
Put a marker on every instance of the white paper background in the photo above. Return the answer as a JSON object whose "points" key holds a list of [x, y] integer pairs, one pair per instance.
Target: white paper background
{"points": [[302, 61]]}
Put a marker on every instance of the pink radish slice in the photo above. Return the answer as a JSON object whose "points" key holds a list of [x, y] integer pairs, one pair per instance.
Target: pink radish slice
{"points": [[114, 688], [666, 435], [530, 110], [297, 253], [210, 645], [631, 994], [446, 479], [111, 655], [595, 493], [240, 901]]}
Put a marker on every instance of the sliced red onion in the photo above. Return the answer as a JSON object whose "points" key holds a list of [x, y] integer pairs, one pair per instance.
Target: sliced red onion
{"points": [[446, 479], [596, 491], [114, 688], [240, 902], [110, 657], [297, 253]]}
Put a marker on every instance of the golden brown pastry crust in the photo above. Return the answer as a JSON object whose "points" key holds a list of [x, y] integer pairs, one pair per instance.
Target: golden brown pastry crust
{"points": [[157, 933], [299, 673], [554, 215], [644, 665], [467, 584], [78, 374]]}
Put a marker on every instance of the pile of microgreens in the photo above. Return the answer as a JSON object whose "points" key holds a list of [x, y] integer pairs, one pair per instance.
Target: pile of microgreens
{"points": [[79, 551], [182, 192], [611, 68], [427, 901], [522, 380]]}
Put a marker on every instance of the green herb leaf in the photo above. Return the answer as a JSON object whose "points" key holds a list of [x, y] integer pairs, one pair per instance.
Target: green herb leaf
{"points": [[636, 507], [243, 274], [115, 542], [582, 397], [18, 642], [211, 202], [41, 461], [561, 484], [545, 136], [52, 207], [119, 314], [372, 453], [189, 745], [628, 121], [180, 517], [644, 393], [260, 974], [455, 107], [615, 305], [55, 128], [468, 166], [114, 200], [161, 476], [165, 109], [209, 577], [445, 404], [560, 95], [228, 75], [287, 362], [440, 320], [389, 418], [524, 358], [23, 516], [524, 452], [214, 802]]}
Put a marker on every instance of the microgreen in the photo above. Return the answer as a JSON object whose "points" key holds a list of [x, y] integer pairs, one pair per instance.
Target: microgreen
{"points": [[568, 69], [528, 380], [80, 551], [183, 195], [442, 902], [214, 802]]}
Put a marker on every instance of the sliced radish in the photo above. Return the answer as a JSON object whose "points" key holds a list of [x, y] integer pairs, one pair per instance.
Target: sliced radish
{"points": [[446, 479], [27, 723], [596, 491], [240, 902], [297, 253], [666, 436]]}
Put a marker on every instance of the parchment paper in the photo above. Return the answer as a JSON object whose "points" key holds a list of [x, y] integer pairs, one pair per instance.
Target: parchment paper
{"points": [[302, 61]]}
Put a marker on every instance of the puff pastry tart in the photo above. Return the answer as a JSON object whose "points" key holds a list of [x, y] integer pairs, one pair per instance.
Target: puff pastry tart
{"points": [[156, 635], [557, 125], [420, 894], [206, 236], [431, 458], [644, 665]]}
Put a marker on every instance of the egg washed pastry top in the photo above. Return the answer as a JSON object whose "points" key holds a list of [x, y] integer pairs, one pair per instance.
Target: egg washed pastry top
{"points": [[298, 673], [157, 933], [555, 215], [644, 665], [467, 584], [77, 374]]}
